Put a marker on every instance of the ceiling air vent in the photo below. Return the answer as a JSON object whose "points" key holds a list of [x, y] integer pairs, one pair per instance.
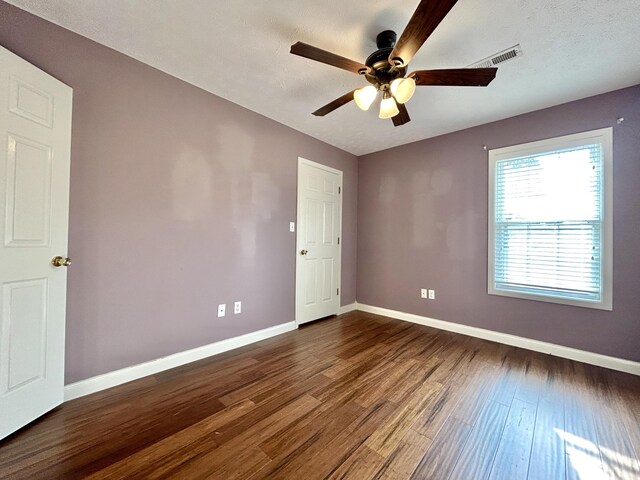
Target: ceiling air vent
{"points": [[498, 58]]}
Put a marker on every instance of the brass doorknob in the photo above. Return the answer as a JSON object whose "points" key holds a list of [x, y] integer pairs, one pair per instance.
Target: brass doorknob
{"points": [[61, 261], [303, 252]]}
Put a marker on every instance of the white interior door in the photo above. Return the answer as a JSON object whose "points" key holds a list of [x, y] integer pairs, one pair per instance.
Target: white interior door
{"points": [[35, 138], [318, 241]]}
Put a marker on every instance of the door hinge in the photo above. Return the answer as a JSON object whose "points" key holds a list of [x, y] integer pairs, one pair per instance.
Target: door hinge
{"points": [[339, 190], [338, 240], [337, 291]]}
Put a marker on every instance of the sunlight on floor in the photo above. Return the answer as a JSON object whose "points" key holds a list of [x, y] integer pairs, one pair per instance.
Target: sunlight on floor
{"points": [[591, 462]]}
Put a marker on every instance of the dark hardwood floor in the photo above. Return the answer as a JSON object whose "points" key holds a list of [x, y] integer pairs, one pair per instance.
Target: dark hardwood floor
{"points": [[358, 397]]}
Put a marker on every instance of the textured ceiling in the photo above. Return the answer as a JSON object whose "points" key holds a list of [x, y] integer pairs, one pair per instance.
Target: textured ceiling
{"points": [[239, 50]]}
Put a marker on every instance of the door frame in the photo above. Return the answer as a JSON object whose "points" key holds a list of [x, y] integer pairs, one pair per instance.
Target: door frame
{"points": [[304, 161]]}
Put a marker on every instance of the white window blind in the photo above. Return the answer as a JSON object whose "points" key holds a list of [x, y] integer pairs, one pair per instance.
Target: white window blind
{"points": [[549, 224]]}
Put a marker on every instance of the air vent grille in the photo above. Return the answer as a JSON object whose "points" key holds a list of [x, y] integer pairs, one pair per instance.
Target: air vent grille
{"points": [[498, 58]]}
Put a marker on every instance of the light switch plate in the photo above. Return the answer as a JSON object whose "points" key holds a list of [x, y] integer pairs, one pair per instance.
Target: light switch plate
{"points": [[292, 226], [221, 308]]}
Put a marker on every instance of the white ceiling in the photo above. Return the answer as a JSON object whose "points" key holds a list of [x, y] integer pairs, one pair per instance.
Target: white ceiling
{"points": [[239, 50]]}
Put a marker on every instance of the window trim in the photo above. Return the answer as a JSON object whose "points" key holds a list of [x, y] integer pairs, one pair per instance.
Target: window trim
{"points": [[603, 136]]}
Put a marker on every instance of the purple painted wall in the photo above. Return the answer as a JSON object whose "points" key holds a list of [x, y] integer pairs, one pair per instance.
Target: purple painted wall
{"points": [[180, 200], [422, 223]]}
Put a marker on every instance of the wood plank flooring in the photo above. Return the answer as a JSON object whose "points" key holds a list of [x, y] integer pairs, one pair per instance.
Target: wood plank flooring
{"points": [[354, 397]]}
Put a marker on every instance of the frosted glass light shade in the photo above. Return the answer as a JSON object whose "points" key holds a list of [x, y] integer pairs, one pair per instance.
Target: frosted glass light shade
{"points": [[402, 89], [388, 108], [365, 96]]}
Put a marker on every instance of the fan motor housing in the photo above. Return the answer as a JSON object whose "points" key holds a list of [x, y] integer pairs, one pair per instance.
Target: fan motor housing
{"points": [[382, 72]]}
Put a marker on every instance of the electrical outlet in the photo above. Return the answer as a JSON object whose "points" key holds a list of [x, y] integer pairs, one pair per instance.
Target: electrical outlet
{"points": [[237, 307], [432, 294], [423, 293], [221, 308], [292, 226]]}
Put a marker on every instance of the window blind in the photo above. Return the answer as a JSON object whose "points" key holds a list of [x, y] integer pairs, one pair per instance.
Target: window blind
{"points": [[549, 223]]}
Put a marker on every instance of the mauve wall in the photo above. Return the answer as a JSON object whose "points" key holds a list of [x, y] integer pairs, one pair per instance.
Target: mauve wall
{"points": [[422, 223], [180, 200]]}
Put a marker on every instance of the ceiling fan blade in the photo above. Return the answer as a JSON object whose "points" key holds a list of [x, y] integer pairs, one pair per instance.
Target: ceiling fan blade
{"points": [[322, 56], [424, 21], [402, 117], [458, 77], [337, 103]]}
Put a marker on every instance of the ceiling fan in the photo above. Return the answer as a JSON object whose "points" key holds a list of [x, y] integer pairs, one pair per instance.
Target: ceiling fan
{"points": [[386, 68]]}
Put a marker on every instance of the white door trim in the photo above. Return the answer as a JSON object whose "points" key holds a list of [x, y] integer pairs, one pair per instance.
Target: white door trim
{"points": [[304, 161]]}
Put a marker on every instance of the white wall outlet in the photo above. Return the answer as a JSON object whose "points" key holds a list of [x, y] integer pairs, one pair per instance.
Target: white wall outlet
{"points": [[432, 294], [221, 308], [423, 293], [237, 307], [292, 226]]}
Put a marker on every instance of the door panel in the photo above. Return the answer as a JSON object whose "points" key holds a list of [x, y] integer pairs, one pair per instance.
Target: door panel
{"points": [[310, 275], [24, 334], [327, 280], [30, 102], [318, 258], [328, 219], [35, 138], [312, 221], [28, 196], [330, 186]]}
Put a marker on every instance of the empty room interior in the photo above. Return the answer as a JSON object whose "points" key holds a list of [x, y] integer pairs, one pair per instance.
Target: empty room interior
{"points": [[320, 240]]}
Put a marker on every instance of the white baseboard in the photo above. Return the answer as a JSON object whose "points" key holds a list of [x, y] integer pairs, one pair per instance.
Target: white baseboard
{"points": [[600, 360], [118, 377], [347, 308], [124, 375]]}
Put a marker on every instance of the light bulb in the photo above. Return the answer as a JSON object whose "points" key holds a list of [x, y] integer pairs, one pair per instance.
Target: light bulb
{"points": [[365, 96], [402, 89], [388, 108]]}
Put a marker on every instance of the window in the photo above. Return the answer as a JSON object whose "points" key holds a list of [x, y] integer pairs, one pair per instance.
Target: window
{"points": [[550, 220]]}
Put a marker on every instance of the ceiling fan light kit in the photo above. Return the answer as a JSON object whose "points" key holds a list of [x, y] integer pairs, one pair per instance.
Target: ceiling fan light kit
{"points": [[365, 96], [388, 106], [386, 68], [403, 89]]}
